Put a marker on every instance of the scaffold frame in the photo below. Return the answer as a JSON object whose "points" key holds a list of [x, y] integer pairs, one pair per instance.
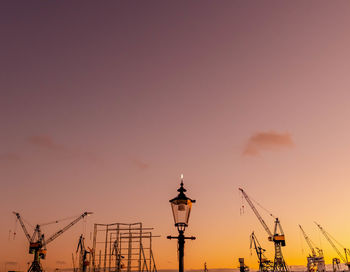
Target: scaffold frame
{"points": [[121, 247]]}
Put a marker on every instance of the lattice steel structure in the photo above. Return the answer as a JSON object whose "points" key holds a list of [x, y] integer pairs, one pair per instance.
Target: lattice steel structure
{"points": [[121, 247]]}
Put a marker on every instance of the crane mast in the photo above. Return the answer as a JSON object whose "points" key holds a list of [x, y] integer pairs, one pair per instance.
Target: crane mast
{"points": [[277, 238], [37, 241], [325, 234]]}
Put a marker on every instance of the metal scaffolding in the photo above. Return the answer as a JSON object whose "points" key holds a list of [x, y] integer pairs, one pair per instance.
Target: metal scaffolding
{"points": [[121, 247]]}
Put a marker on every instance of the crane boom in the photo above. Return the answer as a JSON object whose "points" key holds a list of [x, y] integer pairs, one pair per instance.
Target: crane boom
{"points": [[22, 225], [58, 233], [308, 241], [258, 249], [254, 240], [331, 242], [81, 245], [257, 214]]}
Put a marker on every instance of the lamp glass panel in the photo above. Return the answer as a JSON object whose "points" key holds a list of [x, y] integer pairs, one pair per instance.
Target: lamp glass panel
{"points": [[181, 210]]}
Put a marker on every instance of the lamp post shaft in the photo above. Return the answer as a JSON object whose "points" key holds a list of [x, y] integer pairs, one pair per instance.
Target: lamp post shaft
{"points": [[181, 245], [181, 240]]}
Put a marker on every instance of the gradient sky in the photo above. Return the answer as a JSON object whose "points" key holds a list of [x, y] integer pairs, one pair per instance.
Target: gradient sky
{"points": [[104, 105]]}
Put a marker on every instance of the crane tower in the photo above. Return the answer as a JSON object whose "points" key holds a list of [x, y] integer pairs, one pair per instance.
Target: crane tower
{"points": [[277, 237]]}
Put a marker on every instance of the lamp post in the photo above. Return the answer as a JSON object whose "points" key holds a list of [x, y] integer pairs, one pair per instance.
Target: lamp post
{"points": [[181, 208]]}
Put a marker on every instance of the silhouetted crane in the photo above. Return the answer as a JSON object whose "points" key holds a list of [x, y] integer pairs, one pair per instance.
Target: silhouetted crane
{"points": [[37, 242], [315, 261], [277, 238], [346, 251], [83, 262], [264, 263]]}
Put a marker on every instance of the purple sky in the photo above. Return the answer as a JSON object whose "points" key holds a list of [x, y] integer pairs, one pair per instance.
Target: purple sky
{"points": [[107, 103]]}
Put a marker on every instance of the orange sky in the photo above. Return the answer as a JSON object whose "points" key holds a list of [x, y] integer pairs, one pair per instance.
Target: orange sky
{"points": [[104, 106]]}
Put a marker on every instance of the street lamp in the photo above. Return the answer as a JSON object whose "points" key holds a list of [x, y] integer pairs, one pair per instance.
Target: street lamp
{"points": [[181, 208]]}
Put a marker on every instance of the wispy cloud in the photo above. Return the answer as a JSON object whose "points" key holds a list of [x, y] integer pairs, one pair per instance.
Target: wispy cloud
{"points": [[263, 141], [140, 164], [44, 141], [59, 150], [9, 157]]}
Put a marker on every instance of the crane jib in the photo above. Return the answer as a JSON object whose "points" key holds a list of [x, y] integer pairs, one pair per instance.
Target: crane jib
{"points": [[257, 214]]}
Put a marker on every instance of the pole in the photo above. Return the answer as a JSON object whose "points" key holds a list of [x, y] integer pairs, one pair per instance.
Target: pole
{"points": [[181, 239], [181, 242]]}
